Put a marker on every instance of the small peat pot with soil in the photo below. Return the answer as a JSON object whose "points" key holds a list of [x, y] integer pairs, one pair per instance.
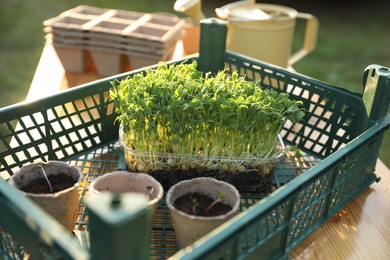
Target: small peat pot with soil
{"points": [[178, 123], [53, 186], [200, 205], [128, 182]]}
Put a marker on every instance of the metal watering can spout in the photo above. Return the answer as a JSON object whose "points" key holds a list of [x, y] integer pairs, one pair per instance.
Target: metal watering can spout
{"points": [[247, 11], [193, 8]]}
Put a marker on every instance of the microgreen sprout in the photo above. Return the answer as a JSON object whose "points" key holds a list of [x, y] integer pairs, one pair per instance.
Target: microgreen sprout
{"points": [[220, 195], [177, 110], [150, 190], [46, 178], [194, 203]]}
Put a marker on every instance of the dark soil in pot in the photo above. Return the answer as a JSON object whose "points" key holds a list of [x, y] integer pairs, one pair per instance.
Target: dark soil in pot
{"points": [[58, 183], [186, 202], [251, 180]]}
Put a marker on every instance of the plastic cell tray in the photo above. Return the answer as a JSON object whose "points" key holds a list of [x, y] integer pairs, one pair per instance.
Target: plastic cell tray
{"points": [[112, 36], [86, 24]]}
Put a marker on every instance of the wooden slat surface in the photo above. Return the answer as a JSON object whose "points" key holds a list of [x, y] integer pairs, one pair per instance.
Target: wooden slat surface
{"points": [[361, 230]]}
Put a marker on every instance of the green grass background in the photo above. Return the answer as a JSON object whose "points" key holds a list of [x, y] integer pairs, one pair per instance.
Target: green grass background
{"points": [[352, 35]]}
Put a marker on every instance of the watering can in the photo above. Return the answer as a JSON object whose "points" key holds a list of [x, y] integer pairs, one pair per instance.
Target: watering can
{"points": [[261, 31]]}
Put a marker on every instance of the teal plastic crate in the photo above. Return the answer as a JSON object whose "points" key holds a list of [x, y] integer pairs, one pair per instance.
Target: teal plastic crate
{"points": [[340, 136]]}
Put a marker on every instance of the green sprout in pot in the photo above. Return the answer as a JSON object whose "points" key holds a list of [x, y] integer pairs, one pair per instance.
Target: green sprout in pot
{"points": [[176, 116], [202, 205]]}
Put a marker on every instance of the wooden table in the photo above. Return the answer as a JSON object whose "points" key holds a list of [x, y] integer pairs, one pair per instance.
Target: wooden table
{"points": [[361, 230]]}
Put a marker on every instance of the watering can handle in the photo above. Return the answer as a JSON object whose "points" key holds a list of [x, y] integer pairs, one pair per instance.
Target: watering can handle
{"points": [[310, 40]]}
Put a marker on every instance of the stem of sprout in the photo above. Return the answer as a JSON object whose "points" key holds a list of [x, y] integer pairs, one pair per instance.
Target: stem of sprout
{"points": [[46, 178]]}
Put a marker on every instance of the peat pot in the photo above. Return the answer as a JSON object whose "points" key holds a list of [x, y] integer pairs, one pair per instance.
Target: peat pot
{"points": [[188, 227], [125, 182], [53, 186]]}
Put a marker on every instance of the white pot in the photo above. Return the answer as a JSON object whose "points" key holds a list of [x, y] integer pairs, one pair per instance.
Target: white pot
{"points": [[63, 204], [189, 228], [124, 182]]}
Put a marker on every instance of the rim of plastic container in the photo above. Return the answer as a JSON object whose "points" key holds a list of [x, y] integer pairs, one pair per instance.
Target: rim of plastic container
{"points": [[276, 157]]}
